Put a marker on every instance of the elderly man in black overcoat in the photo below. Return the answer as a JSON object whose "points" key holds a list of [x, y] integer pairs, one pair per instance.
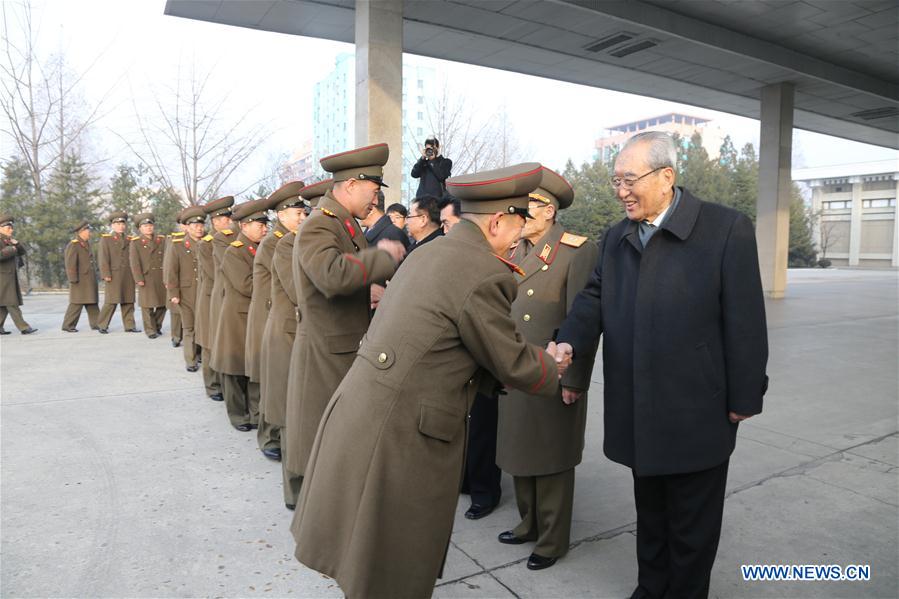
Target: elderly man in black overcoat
{"points": [[677, 296]]}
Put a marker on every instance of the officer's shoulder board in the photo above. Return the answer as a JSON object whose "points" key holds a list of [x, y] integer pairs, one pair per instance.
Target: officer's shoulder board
{"points": [[573, 240], [159, 237], [105, 234], [177, 239], [74, 241], [207, 237], [278, 234], [237, 243], [133, 237], [227, 232], [328, 212], [178, 234]]}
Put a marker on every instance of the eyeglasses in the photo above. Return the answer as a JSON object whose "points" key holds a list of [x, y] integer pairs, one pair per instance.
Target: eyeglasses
{"points": [[414, 215], [629, 182]]}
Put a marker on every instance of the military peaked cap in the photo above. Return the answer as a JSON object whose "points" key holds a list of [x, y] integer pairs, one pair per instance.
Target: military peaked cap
{"points": [[313, 193], [193, 214], [500, 190], [287, 196], [365, 164], [219, 207], [252, 210], [553, 189]]}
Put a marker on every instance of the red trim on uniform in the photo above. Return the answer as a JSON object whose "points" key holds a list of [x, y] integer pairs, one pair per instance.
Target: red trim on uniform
{"points": [[542, 378], [350, 228], [513, 177], [560, 177], [361, 265], [353, 151]]}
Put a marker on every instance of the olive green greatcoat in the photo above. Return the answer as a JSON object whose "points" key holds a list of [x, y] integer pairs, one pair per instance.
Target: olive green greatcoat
{"points": [[536, 437], [237, 285], [146, 258], [280, 330], [181, 277], [260, 303], [290, 442], [220, 242], [336, 270], [11, 257], [206, 272], [377, 504], [113, 260], [81, 270]]}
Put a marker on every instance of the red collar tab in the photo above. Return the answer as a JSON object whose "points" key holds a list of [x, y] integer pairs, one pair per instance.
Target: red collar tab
{"points": [[252, 250], [512, 266], [350, 227], [548, 253]]}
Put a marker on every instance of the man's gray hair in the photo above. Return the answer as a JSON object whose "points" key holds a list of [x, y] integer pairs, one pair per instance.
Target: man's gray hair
{"points": [[662, 149]]}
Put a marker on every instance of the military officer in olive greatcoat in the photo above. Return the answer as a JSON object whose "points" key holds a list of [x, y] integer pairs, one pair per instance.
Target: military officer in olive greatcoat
{"points": [[221, 240], [81, 270], [540, 442], [268, 436], [182, 279], [228, 352], [115, 270], [281, 322], [381, 487], [146, 254], [175, 328], [291, 454], [11, 258], [219, 212], [336, 271]]}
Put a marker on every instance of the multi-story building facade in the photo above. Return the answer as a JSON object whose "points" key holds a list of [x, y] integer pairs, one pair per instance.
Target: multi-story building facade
{"points": [[855, 209], [334, 115], [614, 137]]}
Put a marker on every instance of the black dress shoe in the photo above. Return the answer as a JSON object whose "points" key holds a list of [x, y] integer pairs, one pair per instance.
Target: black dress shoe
{"points": [[176, 343], [104, 331], [95, 327], [28, 331], [152, 335], [5, 332], [509, 538], [290, 506], [133, 331], [254, 426], [217, 397], [244, 427], [478, 511], [72, 330], [272, 454], [193, 368], [538, 562]]}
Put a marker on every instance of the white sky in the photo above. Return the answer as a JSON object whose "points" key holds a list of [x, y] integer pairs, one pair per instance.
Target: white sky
{"points": [[134, 48]]}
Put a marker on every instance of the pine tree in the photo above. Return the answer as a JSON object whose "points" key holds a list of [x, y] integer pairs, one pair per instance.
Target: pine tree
{"points": [[595, 208], [124, 191], [17, 199], [801, 251]]}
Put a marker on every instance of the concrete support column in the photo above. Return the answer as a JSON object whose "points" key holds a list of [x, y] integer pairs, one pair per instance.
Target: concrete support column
{"points": [[896, 223], [379, 84], [772, 228], [855, 221], [818, 213]]}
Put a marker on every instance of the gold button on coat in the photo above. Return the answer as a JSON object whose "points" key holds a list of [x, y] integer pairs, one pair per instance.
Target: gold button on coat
{"points": [[544, 267], [527, 317], [382, 357]]}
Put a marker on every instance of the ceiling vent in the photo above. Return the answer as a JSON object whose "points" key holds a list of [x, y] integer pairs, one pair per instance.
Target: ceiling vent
{"points": [[634, 48], [877, 113], [610, 41]]}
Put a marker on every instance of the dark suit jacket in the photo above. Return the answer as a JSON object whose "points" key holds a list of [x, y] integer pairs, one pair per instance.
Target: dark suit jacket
{"points": [[685, 337], [385, 229], [434, 235]]}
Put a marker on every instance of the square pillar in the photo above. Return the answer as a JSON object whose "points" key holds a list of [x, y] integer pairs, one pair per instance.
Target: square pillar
{"points": [[895, 261], [855, 221], [818, 212], [379, 84], [772, 227]]}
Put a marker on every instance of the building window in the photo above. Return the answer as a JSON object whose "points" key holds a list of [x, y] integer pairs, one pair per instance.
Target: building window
{"points": [[842, 205], [838, 189], [421, 84], [418, 131], [883, 203], [421, 100], [421, 116]]}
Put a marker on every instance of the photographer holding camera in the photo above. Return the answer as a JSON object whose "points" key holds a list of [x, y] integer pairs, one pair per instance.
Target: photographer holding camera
{"points": [[432, 170]]}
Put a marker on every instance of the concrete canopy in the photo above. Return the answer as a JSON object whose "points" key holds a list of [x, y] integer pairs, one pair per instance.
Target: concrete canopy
{"points": [[840, 56]]}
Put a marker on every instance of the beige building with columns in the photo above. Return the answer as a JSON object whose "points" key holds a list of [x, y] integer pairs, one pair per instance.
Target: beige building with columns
{"points": [[855, 205]]}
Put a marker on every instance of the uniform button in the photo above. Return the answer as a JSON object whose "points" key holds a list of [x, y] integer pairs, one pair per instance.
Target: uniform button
{"points": [[530, 292], [544, 267], [382, 357], [526, 317], [360, 341], [471, 381]]}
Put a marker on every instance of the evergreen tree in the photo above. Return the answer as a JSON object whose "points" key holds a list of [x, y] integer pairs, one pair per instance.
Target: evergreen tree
{"points": [[124, 191], [801, 251], [595, 207], [746, 182], [17, 198], [69, 198]]}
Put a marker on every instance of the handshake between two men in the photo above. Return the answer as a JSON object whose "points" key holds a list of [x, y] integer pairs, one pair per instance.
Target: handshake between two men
{"points": [[563, 353]]}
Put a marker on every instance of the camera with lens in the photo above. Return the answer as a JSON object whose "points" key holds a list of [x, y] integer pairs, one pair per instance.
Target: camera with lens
{"points": [[429, 152]]}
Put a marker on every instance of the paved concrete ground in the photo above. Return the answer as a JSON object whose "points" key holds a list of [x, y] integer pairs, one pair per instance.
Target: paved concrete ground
{"points": [[119, 478]]}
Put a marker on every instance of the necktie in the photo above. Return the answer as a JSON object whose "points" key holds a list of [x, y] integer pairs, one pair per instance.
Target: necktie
{"points": [[646, 231]]}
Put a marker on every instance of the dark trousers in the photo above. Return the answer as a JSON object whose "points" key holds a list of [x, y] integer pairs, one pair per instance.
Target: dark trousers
{"points": [[16, 313], [482, 475], [678, 527], [153, 318], [73, 313], [107, 311]]}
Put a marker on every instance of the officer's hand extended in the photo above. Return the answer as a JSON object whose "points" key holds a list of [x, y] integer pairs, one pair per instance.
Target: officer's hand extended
{"points": [[140, 283], [569, 395], [176, 300], [562, 353], [107, 279], [377, 292], [735, 418], [394, 248]]}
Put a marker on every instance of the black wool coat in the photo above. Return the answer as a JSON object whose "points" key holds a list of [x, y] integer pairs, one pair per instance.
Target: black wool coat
{"points": [[684, 337]]}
